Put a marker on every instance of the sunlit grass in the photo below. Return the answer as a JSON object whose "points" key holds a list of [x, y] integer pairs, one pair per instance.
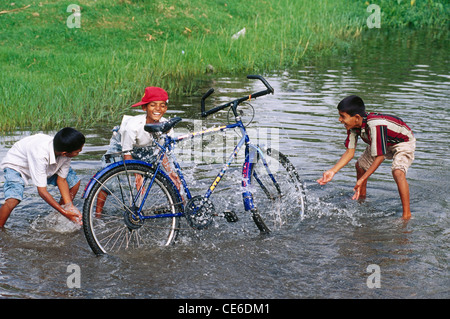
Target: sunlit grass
{"points": [[54, 76]]}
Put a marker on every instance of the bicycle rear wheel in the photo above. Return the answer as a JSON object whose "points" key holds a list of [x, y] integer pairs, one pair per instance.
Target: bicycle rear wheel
{"points": [[279, 197], [110, 222]]}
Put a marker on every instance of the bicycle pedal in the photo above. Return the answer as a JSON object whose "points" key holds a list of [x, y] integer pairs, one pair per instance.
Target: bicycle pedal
{"points": [[230, 216]]}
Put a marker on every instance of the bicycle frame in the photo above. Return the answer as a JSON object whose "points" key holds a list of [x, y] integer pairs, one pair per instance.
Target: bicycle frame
{"points": [[251, 153], [169, 145], [250, 156]]}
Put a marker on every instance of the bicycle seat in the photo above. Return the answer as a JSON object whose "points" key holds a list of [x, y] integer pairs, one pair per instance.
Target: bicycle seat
{"points": [[163, 127]]}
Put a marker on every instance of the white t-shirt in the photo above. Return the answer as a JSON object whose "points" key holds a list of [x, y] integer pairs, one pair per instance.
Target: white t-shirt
{"points": [[133, 133], [34, 158]]}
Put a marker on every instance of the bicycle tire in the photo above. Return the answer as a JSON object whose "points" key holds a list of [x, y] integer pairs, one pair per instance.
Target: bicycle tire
{"points": [[279, 203], [113, 228]]}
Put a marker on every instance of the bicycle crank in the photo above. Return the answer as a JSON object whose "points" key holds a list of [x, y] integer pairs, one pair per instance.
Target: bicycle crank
{"points": [[230, 216], [199, 212]]}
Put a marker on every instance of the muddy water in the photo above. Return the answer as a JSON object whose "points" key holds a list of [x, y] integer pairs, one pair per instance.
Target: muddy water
{"points": [[327, 254]]}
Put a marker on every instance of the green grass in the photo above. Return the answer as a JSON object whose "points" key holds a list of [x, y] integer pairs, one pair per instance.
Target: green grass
{"points": [[53, 76]]}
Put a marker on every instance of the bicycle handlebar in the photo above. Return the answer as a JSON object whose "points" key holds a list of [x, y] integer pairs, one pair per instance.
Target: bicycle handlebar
{"points": [[263, 80], [236, 102], [204, 97]]}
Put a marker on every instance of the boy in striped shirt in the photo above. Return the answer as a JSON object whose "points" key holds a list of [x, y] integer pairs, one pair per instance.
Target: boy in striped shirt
{"points": [[388, 137]]}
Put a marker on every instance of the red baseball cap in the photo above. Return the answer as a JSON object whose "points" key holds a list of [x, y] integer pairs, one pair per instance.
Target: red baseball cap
{"points": [[151, 94]]}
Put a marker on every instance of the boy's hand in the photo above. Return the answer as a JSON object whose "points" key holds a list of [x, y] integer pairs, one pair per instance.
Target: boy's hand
{"points": [[72, 213], [357, 189], [327, 176]]}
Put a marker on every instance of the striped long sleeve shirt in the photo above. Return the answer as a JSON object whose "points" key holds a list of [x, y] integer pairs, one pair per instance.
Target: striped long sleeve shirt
{"points": [[379, 131]]}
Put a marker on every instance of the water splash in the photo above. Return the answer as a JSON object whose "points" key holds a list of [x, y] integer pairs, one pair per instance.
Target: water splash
{"points": [[54, 222]]}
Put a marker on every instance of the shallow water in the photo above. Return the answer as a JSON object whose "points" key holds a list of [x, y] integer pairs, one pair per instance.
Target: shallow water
{"points": [[325, 255]]}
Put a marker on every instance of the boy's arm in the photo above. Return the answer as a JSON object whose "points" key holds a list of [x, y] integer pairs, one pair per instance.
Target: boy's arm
{"points": [[64, 190], [345, 158], [48, 198], [376, 163]]}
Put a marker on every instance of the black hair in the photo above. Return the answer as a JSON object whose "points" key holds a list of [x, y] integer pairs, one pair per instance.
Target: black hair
{"points": [[352, 105], [68, 140]]}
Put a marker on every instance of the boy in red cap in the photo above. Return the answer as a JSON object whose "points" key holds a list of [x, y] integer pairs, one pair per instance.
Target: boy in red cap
{"points": [[131, 130], [131, 138]]}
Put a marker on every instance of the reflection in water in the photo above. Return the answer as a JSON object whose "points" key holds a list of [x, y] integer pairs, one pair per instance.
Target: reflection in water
{"points": [[324, 255]]}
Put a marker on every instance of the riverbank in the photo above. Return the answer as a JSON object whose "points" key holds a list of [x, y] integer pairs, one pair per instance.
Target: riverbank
{"points": [[81, 68]]}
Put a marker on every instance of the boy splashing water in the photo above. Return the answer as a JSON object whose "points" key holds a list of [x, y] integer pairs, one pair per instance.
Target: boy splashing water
{"points": [[43, 160], [388, 138]]}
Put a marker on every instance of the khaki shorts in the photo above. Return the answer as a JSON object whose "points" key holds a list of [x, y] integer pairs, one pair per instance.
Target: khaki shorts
{"points": [[401, 153]]}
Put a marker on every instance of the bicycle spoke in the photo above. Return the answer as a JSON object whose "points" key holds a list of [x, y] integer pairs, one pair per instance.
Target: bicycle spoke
{"points": [[112, 222], [278, 193]]}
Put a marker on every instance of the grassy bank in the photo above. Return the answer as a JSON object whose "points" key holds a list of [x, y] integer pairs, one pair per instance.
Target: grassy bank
{"points": [[53, 75]]}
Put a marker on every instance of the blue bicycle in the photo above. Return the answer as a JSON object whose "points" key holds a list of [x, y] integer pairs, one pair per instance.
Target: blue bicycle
{"points": [[143, 206]]}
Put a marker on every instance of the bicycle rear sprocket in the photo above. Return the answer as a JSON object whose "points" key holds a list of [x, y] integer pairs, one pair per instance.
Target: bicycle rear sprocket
{"points": [[199, 212]]}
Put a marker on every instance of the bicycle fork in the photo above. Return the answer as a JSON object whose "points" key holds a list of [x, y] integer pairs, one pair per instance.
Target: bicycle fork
{"points": [[251, 157]]}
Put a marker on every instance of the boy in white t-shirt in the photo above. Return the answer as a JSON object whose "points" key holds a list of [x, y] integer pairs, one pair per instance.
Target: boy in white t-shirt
{"points": [[43, 160]]}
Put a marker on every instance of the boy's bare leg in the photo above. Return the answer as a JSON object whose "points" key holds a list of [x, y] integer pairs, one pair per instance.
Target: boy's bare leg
{"points": [[359, 173], [101, 198], [403, 190], [6, 209]]}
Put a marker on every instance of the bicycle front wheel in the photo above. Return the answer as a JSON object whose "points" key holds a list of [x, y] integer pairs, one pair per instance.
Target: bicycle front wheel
{"points": [[110, 220], [277, 190]]}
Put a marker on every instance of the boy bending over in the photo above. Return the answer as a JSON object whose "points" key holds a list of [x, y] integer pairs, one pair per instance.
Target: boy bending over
{"points": [[43, 160], [388, 137]]}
